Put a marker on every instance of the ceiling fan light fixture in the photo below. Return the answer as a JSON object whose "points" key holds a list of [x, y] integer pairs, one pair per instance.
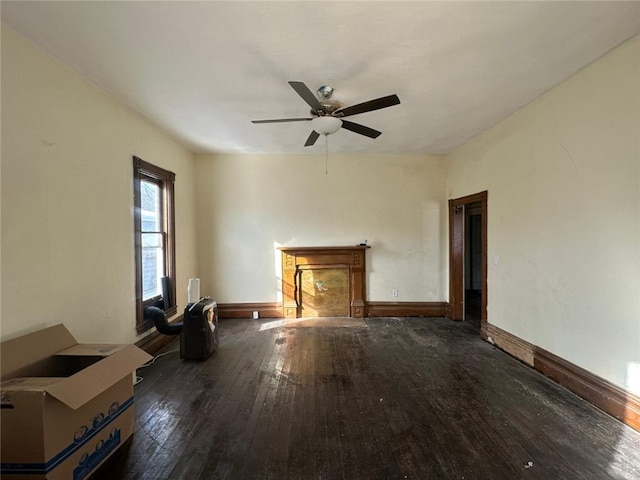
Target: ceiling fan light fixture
{"points": [[326, 125]]}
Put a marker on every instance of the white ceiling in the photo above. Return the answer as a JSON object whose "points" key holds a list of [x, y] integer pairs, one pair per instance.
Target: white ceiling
{"points": [[203, 70]]}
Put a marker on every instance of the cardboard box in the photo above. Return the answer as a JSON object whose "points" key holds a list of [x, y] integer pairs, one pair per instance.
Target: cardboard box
{"points": [[65, 407]]}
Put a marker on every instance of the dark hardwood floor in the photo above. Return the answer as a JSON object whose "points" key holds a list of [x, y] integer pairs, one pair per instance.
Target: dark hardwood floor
{"points": [[473, 307], [412, 398]]}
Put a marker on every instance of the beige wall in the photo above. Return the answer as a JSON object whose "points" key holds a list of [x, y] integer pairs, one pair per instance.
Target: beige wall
{"points": [[563, 176], [67, 199], [250, 204]]}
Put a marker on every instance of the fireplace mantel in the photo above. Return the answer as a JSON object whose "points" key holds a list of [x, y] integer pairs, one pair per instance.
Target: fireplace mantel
{"points": [[294, 259]]}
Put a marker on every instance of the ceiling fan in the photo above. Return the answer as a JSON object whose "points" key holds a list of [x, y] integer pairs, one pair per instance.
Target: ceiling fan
{"points": [[327, 114]]}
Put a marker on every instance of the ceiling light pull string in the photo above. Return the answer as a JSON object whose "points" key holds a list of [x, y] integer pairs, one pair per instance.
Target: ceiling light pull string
{"points": [[326, 154]]}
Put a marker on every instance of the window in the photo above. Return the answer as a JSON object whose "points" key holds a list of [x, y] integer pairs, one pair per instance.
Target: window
{"points": [[154, 228]]}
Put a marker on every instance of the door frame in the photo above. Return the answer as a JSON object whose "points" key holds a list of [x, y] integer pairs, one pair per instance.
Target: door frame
{"points": [[457, 208]]}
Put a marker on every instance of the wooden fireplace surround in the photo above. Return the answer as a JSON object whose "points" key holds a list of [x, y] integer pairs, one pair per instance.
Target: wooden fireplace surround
{"points": [[295, 259]]}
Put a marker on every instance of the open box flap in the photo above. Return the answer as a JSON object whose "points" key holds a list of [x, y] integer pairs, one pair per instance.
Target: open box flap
{"points": [[90, 382], [17, 355], [91, 350], [26, 384]]}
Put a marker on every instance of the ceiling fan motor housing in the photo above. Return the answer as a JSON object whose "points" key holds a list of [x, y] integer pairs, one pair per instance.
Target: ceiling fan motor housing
{"points": [[328, 107], [324, 96]]}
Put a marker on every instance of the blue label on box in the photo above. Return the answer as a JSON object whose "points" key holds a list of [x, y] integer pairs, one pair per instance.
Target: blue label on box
{"points": [[82, 437], [102, 451]]}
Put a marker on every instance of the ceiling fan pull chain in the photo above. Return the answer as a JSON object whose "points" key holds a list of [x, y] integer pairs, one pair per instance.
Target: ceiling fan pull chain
{"points": [[326, 154]]}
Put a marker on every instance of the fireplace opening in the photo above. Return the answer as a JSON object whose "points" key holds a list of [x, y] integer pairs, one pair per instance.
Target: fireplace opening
{"points": [[324, 292]]}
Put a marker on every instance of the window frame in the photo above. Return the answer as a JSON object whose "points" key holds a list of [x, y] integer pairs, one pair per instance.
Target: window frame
{"points": [[165, 179]]}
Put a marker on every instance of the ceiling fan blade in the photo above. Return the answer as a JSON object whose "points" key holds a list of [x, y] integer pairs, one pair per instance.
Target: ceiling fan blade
{"points": [[307, 95], [377, 104], [281, 120], [312, 138], [361, 129]]}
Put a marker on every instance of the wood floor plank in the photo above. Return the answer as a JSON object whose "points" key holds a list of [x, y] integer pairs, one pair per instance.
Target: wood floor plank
{"points": [[288, 395], [241, 407], [399, 398]]}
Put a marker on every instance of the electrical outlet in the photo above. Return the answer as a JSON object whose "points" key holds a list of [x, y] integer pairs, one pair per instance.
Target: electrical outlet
{"points": [[394, 293]]}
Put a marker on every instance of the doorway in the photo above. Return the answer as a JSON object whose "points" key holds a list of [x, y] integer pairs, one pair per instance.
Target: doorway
{"points": [[468, 259]]}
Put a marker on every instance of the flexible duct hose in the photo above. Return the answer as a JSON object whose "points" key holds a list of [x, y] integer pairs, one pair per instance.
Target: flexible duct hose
{"points": [[160, 321]]}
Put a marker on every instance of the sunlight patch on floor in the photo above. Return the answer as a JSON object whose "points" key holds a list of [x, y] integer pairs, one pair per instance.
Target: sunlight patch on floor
{"points": [[314, 322], [622, 465], [270, 325]]}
